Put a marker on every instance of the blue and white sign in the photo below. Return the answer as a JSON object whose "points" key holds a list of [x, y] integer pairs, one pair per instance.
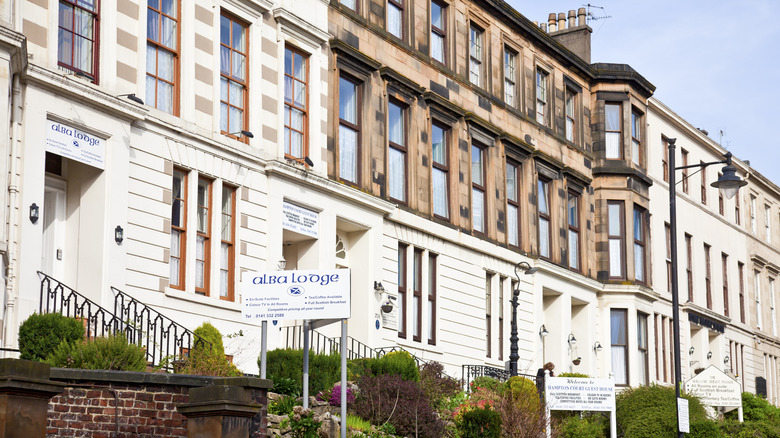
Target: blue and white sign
{"points": [[280, 295], [75, 144]]}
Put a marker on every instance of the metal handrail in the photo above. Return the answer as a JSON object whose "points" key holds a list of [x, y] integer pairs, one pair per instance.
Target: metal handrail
{"points": [[165, 340], [471, 372]]}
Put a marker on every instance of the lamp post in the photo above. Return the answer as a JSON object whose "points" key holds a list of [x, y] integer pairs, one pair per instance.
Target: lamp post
{"points": [[729, 183], [513, 355]]}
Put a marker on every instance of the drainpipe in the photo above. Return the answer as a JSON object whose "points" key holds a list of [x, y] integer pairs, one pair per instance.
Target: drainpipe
{"points": [[9, 326]]}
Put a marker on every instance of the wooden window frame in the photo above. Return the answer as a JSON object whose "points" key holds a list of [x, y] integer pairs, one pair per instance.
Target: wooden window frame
{"points": [[510, 77], [401, 148], [542, 81], [665, 159], [232, 79], [158, 46], [637, 157], [95, 38], [689, 264], [443, 167], [547, 217], [206, 235], [479, 187], [354, 127], [642, 243], [684, 155], [489, 314], [621, 237], [757, 298], [400, 4], [477, 35], [441, 32], [725, 268], [741, 270], [574, 228], [625, 334], [514, 203], [668, 233], [501, 286], [182, 230], [644, 350], [570, 113], [231, 243], [417, 294], [703, 180], [619, 131], [291, 104], [402, 289], [432, 287], [737, 214], [708, 274]]}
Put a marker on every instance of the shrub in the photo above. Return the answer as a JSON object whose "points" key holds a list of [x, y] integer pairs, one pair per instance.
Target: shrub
{"points": [[302, 423], [388, 398], [589, 426], [522, 413], [650, 411], [356, 423], [480, 422], [750, 429], [208, 358], [283, 406], [396, 362], [333, 396], [286, 386], [756, 408], [40, 335], [705, 429], [286, 363], [487, 383], [436, 385], [110, 353]]}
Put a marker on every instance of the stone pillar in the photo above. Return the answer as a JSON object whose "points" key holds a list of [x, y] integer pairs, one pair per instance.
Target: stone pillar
{"points": [[25, 390], [219, 411]]}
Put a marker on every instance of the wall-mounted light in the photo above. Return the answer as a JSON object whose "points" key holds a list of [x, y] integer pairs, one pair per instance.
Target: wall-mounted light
{"points": [[119, 235], [726, 360], [543, 331], [242, 133], [308, 161], [378, 288], [571, 340], [281, 264], [691, 350], [709, 355], [597, 347], [34, 213], [133, 97]]}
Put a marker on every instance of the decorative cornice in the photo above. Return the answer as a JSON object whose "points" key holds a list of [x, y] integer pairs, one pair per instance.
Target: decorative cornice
{"points": [[407, 85], [354, 57], [313, 35], [15, 44], [605, 72], [622, 171]]}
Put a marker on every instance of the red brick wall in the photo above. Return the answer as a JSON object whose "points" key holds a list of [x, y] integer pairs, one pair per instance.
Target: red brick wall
{"points": [[106, 404]]}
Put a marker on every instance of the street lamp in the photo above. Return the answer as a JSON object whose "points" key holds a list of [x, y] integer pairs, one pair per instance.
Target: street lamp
{"points": [[728, 183], [513, 355]]}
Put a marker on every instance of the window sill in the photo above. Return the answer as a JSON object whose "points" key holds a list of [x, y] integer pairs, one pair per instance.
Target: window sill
{"points": [[202, 299]]}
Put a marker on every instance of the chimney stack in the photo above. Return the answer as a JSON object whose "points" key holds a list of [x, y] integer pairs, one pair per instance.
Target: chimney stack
{"points": [[575, 36]]}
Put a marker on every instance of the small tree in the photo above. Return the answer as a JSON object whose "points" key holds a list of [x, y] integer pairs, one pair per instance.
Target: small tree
{"points": [[39, 335]]}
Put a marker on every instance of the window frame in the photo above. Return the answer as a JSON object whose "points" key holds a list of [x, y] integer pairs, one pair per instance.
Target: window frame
{"points": [[725, 268], [641, 243], [768, 223], [624, 346], [703, 180], [403, 149], [291, 104], [206, 235], [182, 230], [542, 88], [741, 270], [772, 313], [417, 284], [356, 9], [668, 233], [637, 150], [546, 217], [757, 296], [95, 39], [442, 167], [356, 127], [489, 314], [753, 219], [689, 264], [231, 243], [620, 238], [479, 187], [737, 214], [402, 289], [665, 159], [571, 119], [513, 203], [501, 286], [643, 346], [574, 228], [477, 40], [176, 53], [440, 32], [432, 288], [684, 157], [608, 131], [510, 76], [401, 6], [708, 274], [231, 78]]}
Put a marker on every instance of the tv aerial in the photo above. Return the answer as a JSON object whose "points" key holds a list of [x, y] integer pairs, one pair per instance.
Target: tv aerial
{"points": [[589, 16]]}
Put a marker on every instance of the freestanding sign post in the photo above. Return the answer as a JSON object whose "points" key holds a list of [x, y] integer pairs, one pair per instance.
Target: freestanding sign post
{"points": [[580, 394], [306, 295], [716, 389]]}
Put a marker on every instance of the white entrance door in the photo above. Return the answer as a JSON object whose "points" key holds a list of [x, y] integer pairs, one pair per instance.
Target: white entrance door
{"points": [[52, 255]]}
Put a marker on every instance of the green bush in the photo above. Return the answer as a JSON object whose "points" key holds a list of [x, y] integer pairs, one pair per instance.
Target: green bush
{"points": [[286, 386], [286, 363], [111, 353], [208, 358], [756, 408], [479, 423], [396, 362], [589, 426], [750, 429], [488, 383], [573, 375], [212, 336], [651, 411], [39, 335], [283, 406], [706, 429]]}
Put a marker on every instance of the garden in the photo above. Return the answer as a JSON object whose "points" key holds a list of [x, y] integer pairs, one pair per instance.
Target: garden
{"points": [[393, 396]]}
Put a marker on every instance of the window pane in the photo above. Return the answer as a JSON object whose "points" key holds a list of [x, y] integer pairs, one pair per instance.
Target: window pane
{"points": [[612, 113], [349, 3], [440, 202], [477, 206], [511, 182], [543, 203], [394, 20], [574, 219], [512, 235], [619, 365], [544, 237], [396, 122], [437, 47], [436, 16], [638, 229], [347, 153], [613, 144], [476, 165], [397, 177], [574, 249], [639, 262], [614, 219], [347, 101], [615, 258], [438, 145], [152, 25]]}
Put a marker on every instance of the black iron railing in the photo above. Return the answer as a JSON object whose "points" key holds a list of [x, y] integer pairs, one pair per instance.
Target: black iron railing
{"points": [[166, 341], [471, 372], [56, 297]]}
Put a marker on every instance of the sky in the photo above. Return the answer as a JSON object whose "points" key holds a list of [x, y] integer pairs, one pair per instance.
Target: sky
{"points": [[715, 63]]}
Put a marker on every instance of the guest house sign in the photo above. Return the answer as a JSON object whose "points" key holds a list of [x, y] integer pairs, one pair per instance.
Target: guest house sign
{"points": [[75, 144]]}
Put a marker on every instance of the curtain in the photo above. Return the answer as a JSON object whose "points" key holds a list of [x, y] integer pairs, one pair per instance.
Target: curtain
{"points": [[224, 265], [440, 202], [477, 207], [348, 101], [639, 262], [175, 256], [200, 256], [397, 174], [544, 237], [347, 153], [619, 365], [396, 122], [437, 47], [613, 144], [511, 213], [574, 249], [615, 258], [394, 20]]}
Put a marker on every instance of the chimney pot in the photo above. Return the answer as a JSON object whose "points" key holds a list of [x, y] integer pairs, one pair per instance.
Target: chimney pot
{"points": [[581, 17], [551, 22], [572, 18], [543, 26], [561, 21]]}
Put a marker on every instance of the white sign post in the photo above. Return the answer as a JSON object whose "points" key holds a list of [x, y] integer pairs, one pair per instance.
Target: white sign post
{"points": [[580, 394]]}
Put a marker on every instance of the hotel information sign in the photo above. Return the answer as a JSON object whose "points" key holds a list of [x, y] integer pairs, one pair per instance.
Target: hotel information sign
{"points": [[300, 220], [281, 295], [580, 394], [75, 144]]}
